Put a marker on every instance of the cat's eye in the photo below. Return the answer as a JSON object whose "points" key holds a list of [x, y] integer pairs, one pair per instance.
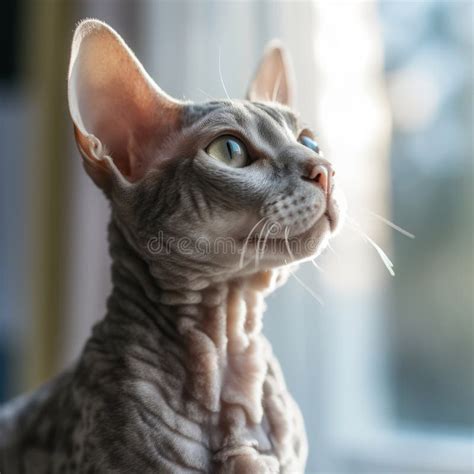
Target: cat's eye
{"points": [[309, 142], [229, 150]]}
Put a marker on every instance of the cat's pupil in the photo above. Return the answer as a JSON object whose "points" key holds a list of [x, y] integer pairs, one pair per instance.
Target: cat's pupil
{"points": [[310, 143], [233, 148]]}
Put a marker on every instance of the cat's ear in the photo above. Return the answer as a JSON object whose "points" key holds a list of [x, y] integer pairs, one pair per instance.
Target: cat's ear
{"points": [[119, 113], [274, 79]]}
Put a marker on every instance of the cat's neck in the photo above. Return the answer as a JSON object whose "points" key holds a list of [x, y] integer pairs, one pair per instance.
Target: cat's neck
{"points": [[217, 328]]}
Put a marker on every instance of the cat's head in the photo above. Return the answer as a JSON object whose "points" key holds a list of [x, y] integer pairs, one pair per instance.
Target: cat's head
{"points": [[220, 188]]}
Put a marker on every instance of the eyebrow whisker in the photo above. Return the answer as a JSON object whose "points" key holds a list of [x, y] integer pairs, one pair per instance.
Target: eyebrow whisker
{"points": [[209, 96], [220, 76]]}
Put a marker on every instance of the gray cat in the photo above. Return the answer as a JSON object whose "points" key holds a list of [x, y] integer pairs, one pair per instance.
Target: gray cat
{"points": [[210, 203]]}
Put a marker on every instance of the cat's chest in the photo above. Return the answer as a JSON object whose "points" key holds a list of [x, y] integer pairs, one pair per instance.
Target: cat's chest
{"points": [[170, 430], [205, 406], [185, 400]]}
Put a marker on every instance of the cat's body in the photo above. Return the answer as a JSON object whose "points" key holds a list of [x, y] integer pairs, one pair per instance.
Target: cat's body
{"points": [[141, 401], [178, 377]]}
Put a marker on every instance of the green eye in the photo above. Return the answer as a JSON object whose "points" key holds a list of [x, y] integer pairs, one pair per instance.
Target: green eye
{"points": [[229, 150]]}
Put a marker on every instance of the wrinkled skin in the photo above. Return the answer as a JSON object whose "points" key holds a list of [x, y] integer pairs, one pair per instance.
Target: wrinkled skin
{"points": [[178, 377]]}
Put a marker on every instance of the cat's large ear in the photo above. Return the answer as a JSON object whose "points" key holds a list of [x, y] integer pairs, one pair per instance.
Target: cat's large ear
{"points": [[119, 113], [274, 79]]}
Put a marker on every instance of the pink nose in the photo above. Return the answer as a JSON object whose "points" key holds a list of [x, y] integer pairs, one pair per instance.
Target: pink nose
{"points": [[321, 175]]}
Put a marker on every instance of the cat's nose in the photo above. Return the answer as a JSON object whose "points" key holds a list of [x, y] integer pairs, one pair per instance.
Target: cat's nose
{"points": [[322, 175]]}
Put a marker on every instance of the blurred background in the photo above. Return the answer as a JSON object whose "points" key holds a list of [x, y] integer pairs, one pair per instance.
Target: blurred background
{"points": [[384, 370]]}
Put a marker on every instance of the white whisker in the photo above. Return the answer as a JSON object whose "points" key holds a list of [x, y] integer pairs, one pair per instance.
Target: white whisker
{"points": [[287, 232], [244, 248], [317, 266], [221, 78], [257, 252], [306, 287], [383, 256], [331, 248], [337, 256], [270, 227], [391, 224]]}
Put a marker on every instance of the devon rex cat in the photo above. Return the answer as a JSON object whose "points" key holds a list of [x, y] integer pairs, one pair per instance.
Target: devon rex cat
{"points": [[209, 203]]}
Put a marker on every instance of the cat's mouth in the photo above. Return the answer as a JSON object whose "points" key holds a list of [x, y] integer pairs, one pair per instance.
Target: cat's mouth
{"points": [[291, 240], [260, 238], [315, 234]]}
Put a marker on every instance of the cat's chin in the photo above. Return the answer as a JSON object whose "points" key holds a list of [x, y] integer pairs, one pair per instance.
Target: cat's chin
{"points": [[311, 242], [307, 244]]}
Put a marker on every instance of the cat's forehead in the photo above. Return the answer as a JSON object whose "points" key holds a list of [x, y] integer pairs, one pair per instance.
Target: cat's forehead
{"points": [[266, 117]]}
